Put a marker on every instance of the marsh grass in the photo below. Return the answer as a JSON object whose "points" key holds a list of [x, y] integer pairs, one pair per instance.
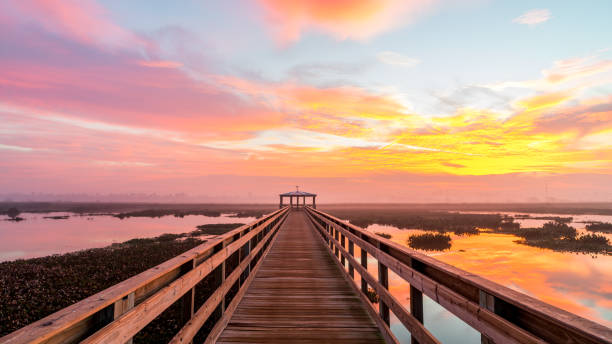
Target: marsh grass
{"points": [[384, 235], [559, 236], [31, 289], [430, 241], [603, 227]]}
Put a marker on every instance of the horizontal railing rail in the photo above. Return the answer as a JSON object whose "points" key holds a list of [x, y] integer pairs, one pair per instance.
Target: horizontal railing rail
{"points": [[116, 314], [500, 314]]}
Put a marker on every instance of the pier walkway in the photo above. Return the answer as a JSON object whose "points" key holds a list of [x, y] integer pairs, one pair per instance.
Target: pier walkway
{"points": [[300, 296]]}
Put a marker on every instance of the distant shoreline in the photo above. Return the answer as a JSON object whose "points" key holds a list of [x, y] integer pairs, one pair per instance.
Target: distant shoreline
{"points": [[586, 208]]}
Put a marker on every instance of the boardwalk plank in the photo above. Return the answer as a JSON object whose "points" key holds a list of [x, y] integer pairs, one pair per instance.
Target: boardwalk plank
{"points": [[299, 296]]}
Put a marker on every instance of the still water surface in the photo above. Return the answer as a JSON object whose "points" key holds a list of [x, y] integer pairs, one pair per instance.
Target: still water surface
{"points": [[578, 283], [37, 236]]}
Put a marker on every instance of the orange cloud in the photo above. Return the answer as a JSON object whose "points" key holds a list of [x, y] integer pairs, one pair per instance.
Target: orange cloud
{"points": [[544, 101], [343, 19]]}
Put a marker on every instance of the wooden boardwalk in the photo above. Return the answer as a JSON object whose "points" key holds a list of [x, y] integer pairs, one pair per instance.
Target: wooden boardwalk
{"points": [[298, 293], [299, 296]]}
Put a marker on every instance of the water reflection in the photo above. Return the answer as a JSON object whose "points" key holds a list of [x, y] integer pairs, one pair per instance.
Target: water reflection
{"points": [[577, 283], [39, 236]]}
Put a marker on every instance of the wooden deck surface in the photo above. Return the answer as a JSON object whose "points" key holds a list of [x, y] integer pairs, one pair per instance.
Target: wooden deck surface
{"points": [[300, 296]]}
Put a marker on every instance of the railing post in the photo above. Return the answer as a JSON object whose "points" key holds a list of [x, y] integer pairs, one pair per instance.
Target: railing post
{"points": [[187, 300], [336, 250], [383, 279], [486, 301], [222, 279], [351, 269], [248, 253], [124, 305], [342, 242], [416, 301], [364, 263]]}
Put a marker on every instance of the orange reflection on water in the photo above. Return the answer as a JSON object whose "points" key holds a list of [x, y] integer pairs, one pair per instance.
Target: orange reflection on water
{"points": [[577, 283]]}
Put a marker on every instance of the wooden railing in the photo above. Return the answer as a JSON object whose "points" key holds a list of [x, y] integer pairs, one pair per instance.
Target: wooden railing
{"points": [[500, 314], [118, 313]]}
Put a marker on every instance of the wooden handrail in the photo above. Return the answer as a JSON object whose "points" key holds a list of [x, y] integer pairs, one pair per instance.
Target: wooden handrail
{"points": [[119, 312], [500, 314]]}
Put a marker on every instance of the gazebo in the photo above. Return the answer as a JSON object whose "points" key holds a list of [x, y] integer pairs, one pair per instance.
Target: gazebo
{"points": [[298, 195]]}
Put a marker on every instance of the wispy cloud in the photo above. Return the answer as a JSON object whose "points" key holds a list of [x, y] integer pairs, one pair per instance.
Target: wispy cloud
{"points": [[15, 148], [122, 163], [83, 20], [533, 17], [397, 59]]}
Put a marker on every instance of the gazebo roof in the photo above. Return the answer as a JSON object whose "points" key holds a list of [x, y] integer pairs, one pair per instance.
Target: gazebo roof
{"points": [[297, 193]]}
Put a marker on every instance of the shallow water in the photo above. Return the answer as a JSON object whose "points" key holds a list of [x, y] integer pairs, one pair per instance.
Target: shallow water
{"points": [[578, 283], [37, 236]]}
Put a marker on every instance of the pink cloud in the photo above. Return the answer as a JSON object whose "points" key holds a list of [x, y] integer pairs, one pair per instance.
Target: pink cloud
{"points": [[564, 70], [344, 19], [113, 89], [82, 20]]}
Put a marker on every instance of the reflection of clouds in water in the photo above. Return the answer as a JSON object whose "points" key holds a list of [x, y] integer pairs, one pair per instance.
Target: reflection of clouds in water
{"points": [[564, 280], [445, 326]]}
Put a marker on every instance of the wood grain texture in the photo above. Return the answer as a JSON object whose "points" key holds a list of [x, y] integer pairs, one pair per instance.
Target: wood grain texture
{"points": [[299, 296]]}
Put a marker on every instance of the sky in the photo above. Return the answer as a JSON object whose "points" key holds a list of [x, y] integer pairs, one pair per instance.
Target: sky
{"points": [[358, 101]]}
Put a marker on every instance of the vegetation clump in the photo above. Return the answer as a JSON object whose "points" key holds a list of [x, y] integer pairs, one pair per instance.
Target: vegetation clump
{"points": [[467, 231], [559, 236], [430, 241], [550, 218], [59, 217], [13, 214], [509, 225], [215, 228], [603, 227], [167, 212], [384, 235], [372, 295]]}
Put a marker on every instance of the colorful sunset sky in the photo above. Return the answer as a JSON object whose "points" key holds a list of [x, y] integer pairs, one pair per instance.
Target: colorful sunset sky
{"points": [[358, 101]]}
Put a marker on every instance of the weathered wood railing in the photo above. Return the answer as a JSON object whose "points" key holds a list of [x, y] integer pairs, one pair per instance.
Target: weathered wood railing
{"points": [[500, 314], [118, 313]]}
